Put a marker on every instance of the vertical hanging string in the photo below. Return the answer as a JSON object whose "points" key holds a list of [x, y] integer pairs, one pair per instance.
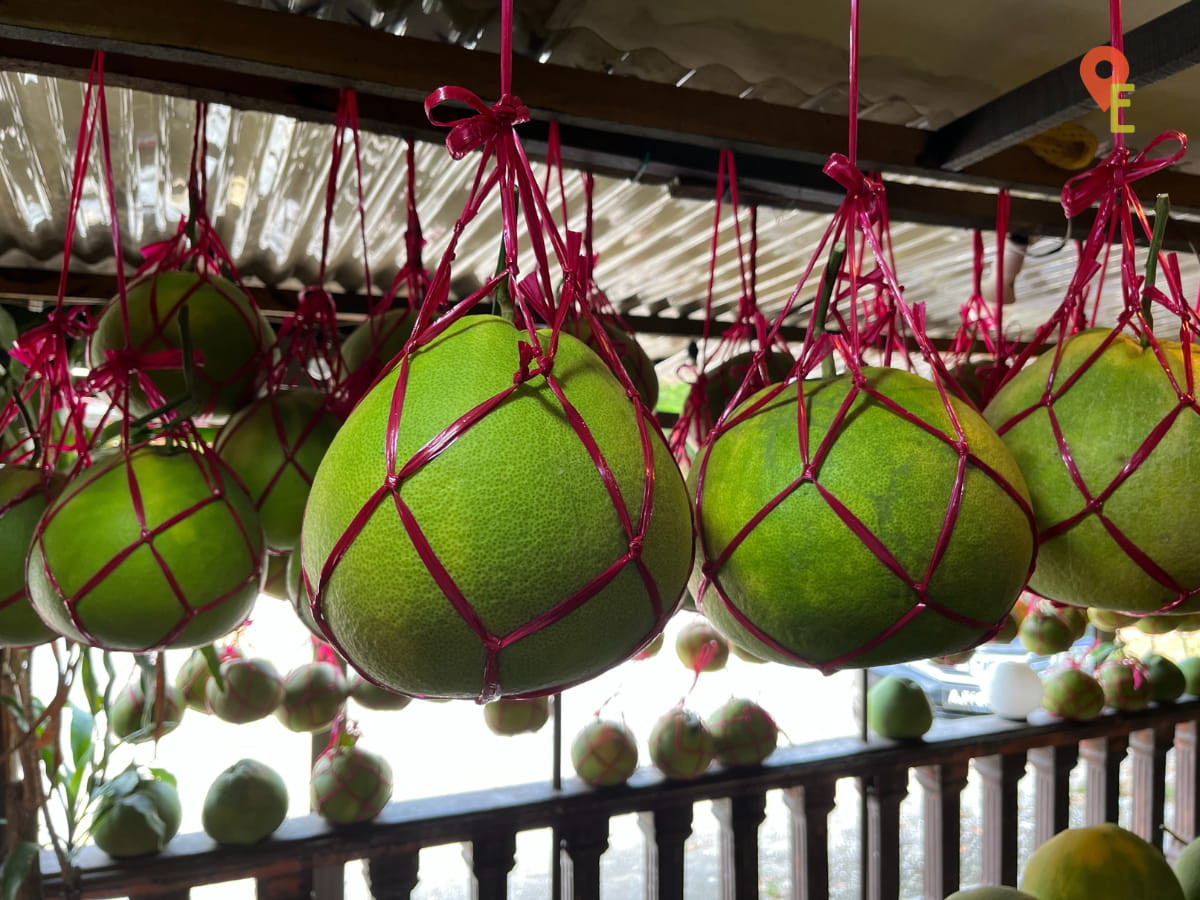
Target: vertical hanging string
{"points": [[852, 139], [1117, 39], [352, 116]]}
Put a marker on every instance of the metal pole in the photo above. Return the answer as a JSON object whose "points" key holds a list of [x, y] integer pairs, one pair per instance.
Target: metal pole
{"points": [[556, 783]]}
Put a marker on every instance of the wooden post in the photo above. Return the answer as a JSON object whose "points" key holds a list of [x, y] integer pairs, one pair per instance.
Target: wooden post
{"points": [[1148, 748], [884, 792], [943, 785], [491, 859], [739, 818], [810, 805], [666, 829], [1000, 774], [1187, 780], [1052, 789], [393, 875], [1102, 757], [584, 841]]}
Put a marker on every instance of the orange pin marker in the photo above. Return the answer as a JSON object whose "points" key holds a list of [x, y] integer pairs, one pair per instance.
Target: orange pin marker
{"points": [[1098, 86]]}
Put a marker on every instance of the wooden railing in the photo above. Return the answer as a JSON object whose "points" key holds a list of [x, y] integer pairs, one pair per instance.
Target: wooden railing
{"points": [[488, 822]]}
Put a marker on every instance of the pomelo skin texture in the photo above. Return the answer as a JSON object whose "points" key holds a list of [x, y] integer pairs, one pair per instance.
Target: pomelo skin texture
{"points": [[514, 509], [507, 717], [722, 382], [350, 785], [804, 578], [93, 574], [1105, 415], [373, 344], [245, 804], [1071, 693], [372, 696], [627, 350], [24, 495], [275, 445], [226, 329], [604, 753], [1099, 861]]}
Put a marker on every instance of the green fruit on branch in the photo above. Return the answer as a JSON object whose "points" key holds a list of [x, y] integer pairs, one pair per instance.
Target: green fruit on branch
{"points": [[313, 695], [898, 709], [514, 509], [604, 753], [681, 746], [1099, 861], [155, 548], [137, 719], [24, 495], [744, 734], [350, 784], [137, 815], [245, 804], [1109, 399], [1071, 693], [372, 696], [228, 333], [700, 647], [513, 716], [251, 690], [789, 561]]}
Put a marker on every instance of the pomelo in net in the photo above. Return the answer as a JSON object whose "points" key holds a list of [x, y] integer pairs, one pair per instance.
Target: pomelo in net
{"points": [[159, 547], [372, 696], [1071, 693], [744, 734], [722, 381], [604, 753], [700, 647], [313, 695], [251, 690], [1126, 683], [192, 678], [514, 510], [1098, 861], [24, 495], [298, 596], [804, 579], [350, 784], [275, 445], [375, 342], [245, 804], [137, 720], [1110, 398], [227, 330], [1167, 682], [681, 746], [638, 365]]}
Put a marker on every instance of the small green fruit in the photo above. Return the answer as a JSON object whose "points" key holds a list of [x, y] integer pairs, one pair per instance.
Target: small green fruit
{"points": [[372, 696], [1190, 667], [252, 691], [136, 721], [1071, 693], [698, 639], [1126, 684], [245, 804], [137, 816], [514, 716], [1167, 682], [681, 745], [350, 785], [744, 734], [313, 695], [898, 709], [990, 892], [604, 753]]}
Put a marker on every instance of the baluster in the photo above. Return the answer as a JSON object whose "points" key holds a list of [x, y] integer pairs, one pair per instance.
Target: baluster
{"points": [[943, 785], [289, 886], [1187, 780], [810, 806], [1103, 756], [665, 830], [739, 818], [1149, 747], [329, 882], [491, 859], [1000, 775], [583, 842], [885, 791], [175, 894], [393, 875], [1052, 790]]}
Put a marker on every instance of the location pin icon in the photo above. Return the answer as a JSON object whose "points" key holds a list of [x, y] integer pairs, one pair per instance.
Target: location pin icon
{"points": [[1098, 85]]}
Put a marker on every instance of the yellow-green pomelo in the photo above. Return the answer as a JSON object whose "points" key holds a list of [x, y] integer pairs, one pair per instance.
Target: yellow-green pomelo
{"points": [[898, 709], [1099, 861], [723, 381], [990, 892], [275, 445], [138, 818], [629, 353], [181, 574], [376, 341], [515, 510], [804, 578], [24, 495], [225, 328], [1187, 870], [245, 804], [350, 784], [1113, 403]]}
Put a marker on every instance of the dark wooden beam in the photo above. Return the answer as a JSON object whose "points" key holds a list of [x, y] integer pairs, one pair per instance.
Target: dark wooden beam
{"points": [[1156, 50]]}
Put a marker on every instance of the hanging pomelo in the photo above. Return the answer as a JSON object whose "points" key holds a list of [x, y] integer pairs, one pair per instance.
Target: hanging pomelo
{"points": [[313, 695], [275, 445], [376, 341], [350, 784], [721, 383], [1128, 439], [227, 331], [604, 753], [136, 719], [540, 580], [872, 554], [637, 363], [251, 689], [512, 716], [1098, 861], [159, 547], [744, 734], [24, 495]]}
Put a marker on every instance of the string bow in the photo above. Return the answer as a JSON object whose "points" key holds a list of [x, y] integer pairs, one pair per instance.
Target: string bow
{"points": [[859, 188], [1118, 169], [468, 132]]}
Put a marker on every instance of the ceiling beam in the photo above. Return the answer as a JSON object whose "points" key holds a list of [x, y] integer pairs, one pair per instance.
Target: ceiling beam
{"points": [[1160, 48], [291, 64]]}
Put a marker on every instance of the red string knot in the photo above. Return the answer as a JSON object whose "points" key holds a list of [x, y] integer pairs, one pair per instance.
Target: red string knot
{"points": [[391, 481], [471, 132], [1118, 169], [865, 191], [635, 546]]}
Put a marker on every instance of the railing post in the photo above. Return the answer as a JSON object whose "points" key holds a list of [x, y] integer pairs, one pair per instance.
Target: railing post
{"points": [[393, 875], [583, 842], [943, 785], [1052, 790], [293, 886], [666, 829], [884, 792], [1000, 774], [1187, 780], [810, 805], [1149, 747], [491, 859], [1103, 756], [739, 818]]}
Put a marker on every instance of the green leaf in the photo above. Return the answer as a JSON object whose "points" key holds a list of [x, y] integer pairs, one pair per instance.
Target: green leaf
{"points": [[145, 805], [82, 727], [16, 866], [91, 687], [214, 664], [164, 775], [121, 786]]}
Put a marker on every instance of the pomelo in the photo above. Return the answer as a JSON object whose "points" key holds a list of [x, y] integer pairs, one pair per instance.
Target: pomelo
{"points": [[275, 445], [700, 647], [252, 690], [681, 746], [1167, 681], [638, 365], [1190, 667], [723, 380], [137, 815], [24, 495], [990, 892], [350, 784], [604, 753], [651, 649], [1187, 870], [373, 344], [372, 696], [1126, 684], [298, 596], [898, 709], [1008, 630], [744, 734], [1071, 693], [804, 578], [1158, 624], [1098, 861], [512, 716], [226, 328], [953, 659], [313, 695], [514, 509], [274, 582], [1110, 620], [245, 804], [1106, 412], [136, 719], [193, 676], [154, 548], [1043, 632]]}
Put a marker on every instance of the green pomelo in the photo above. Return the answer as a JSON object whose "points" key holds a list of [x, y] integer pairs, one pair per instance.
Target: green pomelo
{"points": [[139, 821], [350, 785], [1126, 684], [94, 570], [1044, 633], [298, 595], [512, 716], [1105, 416], [313, 695], [375, 342], [372, 696], [1167, 682], [698, 637], [251, 691], [516, 512], [723, 381], [628, 351], [245, 804], [1099, 861], [804, 578], [898, 709], [990, 892], [1190, 667], [652, 648], [1072, 693], [193, 676], [1187, 870], [681, 746], [1008, 630], [1109, 620], [274, 582], [744, 734], [1157, 624], [135, 720], [604, 753], [24, 495], [226, 329], [275, 445]]}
